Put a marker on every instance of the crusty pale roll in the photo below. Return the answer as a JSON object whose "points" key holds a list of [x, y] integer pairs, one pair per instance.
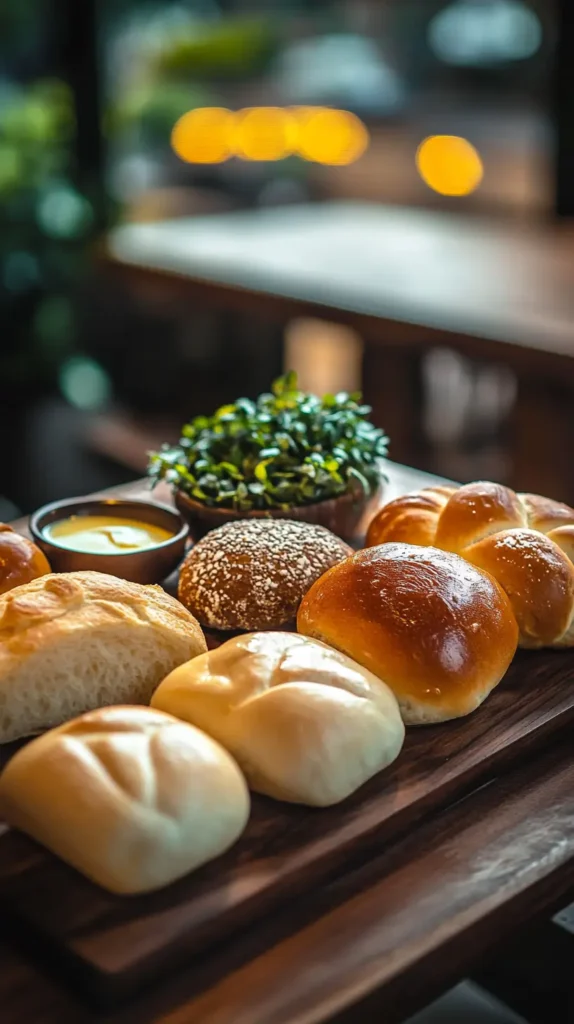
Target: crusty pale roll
{"points": [[252, 573], [437, 630], [524, 540], [305, 723], [77, 641], [128, 796], [20, 559]]}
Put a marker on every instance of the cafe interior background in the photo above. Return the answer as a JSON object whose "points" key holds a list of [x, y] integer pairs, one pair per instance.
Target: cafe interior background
{"points": [[99, 103], [454, 114]]}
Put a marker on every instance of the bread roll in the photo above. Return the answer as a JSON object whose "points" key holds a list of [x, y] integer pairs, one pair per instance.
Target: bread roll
{"points": [[524, 540], [77, 641], [130, 797], [252, 573], [438, 631], [305, 723], [20, 560]]}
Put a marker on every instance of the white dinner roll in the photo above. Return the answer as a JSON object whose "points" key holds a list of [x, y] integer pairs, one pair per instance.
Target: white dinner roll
{"points": [[72, 642], [130, 797], [305, 723]]}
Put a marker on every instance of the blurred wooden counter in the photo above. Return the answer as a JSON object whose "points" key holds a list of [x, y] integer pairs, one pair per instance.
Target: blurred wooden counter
{"points": [[407, 280], [440, 277]]}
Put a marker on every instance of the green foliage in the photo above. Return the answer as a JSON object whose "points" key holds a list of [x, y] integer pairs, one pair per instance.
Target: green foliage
{"points": [[45, 226], [233, 47], [287, 448], [36, 126], [154, 108]]}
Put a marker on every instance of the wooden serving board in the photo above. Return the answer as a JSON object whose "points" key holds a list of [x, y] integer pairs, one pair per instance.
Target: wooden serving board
{"points": [[112, 947]]}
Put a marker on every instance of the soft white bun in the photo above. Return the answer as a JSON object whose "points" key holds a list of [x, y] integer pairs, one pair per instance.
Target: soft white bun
{"points": [[132, 798], [305, 723], [77, 641], [525, 541]]}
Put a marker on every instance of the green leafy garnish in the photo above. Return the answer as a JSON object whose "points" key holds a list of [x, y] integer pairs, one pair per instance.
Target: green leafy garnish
{"points": [[287, 448]]}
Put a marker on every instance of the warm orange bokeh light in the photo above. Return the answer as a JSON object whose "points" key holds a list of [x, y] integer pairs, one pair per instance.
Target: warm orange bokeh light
{"points": [[334, 137], [204, 136], [210, 135], [264, 133], [449, 165]]}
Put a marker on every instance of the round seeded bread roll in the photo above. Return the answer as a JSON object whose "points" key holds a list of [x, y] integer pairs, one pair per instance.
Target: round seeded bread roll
{"points": [[305, 723], [77, 641], [437, 630], [20, 560], [252, 573], [130, 797]]}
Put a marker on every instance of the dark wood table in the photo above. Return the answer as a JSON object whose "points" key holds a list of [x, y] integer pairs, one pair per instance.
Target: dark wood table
{"points": [[376, 943], [407, 280], [493, 290]]}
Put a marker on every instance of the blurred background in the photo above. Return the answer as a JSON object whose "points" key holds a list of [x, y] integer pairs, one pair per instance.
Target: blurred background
{"points": [[195, 195]]}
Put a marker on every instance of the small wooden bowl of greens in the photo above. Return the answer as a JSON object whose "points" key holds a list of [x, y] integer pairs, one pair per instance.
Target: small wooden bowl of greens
{"points": [[288, 455]]}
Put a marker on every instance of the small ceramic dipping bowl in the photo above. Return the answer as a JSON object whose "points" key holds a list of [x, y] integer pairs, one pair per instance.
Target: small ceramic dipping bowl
{"points": [[147, 565]]}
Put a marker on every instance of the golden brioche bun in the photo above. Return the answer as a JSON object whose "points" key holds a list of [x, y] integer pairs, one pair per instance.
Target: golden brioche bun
{"points": [[438, 631], [252, 573], [525, 541], [20, 560]]}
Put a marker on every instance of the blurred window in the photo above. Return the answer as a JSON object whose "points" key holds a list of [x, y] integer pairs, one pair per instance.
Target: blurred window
{"points": [[406, 70]]}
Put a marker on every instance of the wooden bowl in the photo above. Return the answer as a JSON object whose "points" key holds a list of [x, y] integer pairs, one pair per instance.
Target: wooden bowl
{"points": [[345, 516]]}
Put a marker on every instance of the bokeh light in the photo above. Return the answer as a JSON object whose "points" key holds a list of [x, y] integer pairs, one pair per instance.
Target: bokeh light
{"points": [[477, 34], [85, 383], [334, 137], [204, 135], [449, 165], [265, 133], [210, 135], [64, 213]]}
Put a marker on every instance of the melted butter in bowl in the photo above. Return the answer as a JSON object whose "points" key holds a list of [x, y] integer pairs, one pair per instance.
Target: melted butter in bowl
{"points": [[105, 535], [140, 541]]}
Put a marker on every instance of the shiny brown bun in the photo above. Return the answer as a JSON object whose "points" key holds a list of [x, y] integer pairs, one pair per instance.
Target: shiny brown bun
{"points": [[524, 540], [20, 560], [252, 573], [439, 632]]}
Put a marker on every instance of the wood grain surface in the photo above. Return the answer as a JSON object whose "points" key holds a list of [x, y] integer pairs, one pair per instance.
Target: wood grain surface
{"points": [[111, 947], [117, 944], [376, 944]]}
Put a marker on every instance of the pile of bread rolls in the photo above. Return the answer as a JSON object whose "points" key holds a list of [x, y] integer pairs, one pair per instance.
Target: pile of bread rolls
{"points": [[150, 743], [524, 541]]}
